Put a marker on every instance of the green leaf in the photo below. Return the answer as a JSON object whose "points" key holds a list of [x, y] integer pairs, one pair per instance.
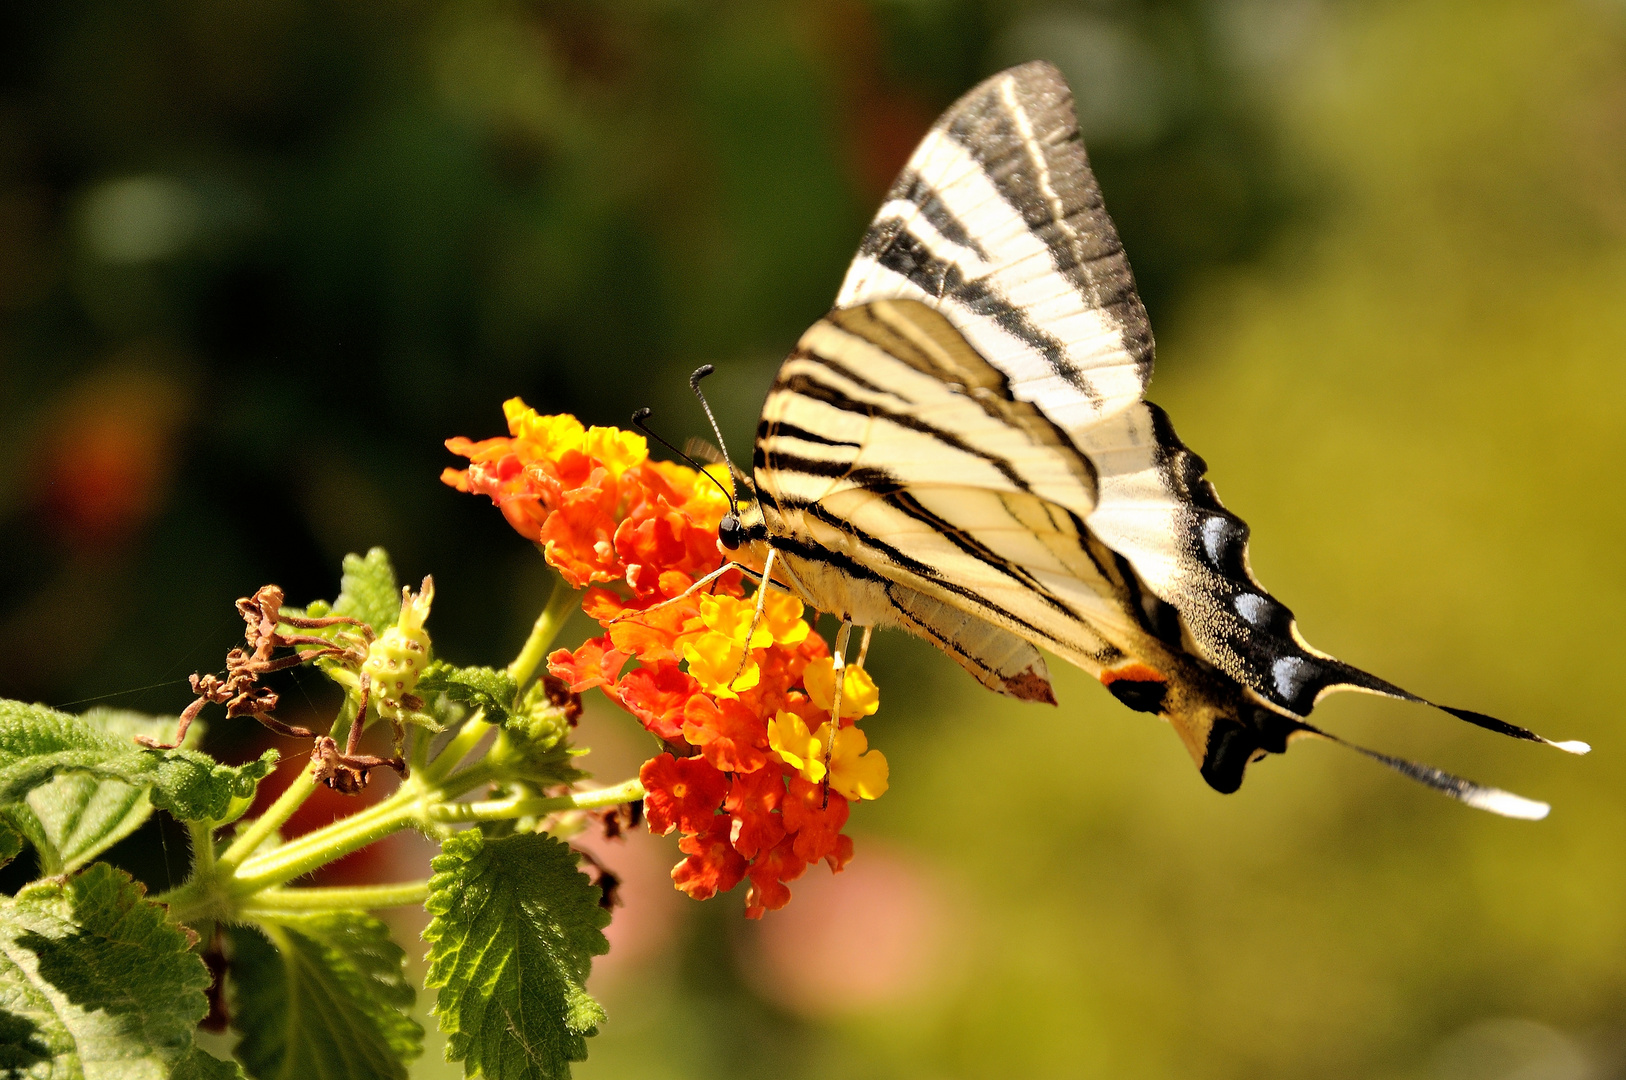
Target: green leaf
{"points": [[95, 980], [481, 687], [514, 933], [202, 1065], [37, 744], [324, 997], [367, 591], [11, 846], [74, 818]]}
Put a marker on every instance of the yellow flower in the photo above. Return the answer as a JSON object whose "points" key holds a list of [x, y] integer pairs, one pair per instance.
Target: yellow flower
{"points": [[713, 659], [859, 694], [731, 617], [782, 615], [796, 746], [550, 436], [854, 773], [618, 450]]}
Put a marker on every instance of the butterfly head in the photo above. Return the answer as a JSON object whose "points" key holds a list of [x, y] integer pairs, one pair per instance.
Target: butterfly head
{"points": [[730, 532]]}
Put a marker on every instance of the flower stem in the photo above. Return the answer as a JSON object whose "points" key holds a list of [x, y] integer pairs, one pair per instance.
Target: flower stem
{"points": [[457, 748], [364, 897], [299, 789], [301, 856], [503, 809], [523, 669], [203, 848]]}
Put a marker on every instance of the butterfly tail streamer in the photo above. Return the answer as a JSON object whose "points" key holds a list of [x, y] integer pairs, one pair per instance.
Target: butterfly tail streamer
{"points": [[1479, 796], [1356, 679]]}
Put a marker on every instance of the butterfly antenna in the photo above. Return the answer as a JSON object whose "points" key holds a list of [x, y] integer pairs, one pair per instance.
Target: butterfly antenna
{"points": [[640, 420], [694, 384]]}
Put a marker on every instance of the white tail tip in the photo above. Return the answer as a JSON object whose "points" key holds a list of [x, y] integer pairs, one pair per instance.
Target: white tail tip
{"points": [[1506, 803], [1574, 746]]}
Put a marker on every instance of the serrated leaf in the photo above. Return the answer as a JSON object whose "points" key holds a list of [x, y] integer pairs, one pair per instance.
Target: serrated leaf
{"points": [[481, 687], [95, 980], [202, 1065], [38, 744], [323, 997], [368, 590], [514, 933], [74, 818]]}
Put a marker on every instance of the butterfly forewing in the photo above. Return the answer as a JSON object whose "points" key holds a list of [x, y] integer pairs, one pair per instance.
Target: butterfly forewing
{"points": [[997, 222]]}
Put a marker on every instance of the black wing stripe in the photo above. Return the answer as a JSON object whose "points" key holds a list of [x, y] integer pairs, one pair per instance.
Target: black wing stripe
{"points": [[914, 188], [782, 430], [826, 394], [901, 251], [978, 599]]}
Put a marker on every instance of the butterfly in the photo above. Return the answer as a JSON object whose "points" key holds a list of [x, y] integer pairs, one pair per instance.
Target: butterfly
{"points": [[961, 449]]}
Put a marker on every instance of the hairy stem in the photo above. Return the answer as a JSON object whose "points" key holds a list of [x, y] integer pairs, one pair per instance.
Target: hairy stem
{"points": [[344, 898], [299, 789], [523, 669], [300, 857], [203, 848], [503, 809], [458, 748]]}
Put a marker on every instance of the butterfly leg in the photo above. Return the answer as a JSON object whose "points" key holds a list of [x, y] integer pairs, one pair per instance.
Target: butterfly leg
{"points": [[838, 668], [756, 616], [863, 647], [691, 590]]}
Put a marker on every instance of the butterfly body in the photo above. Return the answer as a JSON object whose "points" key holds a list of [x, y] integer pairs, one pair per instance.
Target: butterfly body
{"points": [[961, 449]]}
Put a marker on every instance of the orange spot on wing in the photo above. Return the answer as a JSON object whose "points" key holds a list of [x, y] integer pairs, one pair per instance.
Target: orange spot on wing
{"points": [[1131, 673]]}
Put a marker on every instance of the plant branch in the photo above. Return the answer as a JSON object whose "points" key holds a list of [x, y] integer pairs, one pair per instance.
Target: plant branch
{"points": [[203, 848], [504, 809], [553, 616], [342, 898], [314, 849], [458, 748], [299, 789]]}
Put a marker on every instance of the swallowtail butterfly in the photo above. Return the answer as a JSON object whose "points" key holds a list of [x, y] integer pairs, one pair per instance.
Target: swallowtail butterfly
{"points": [[961, 449]]}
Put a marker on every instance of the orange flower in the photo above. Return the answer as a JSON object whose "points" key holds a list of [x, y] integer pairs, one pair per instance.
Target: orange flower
{"points": [[657, 695], [751, 802], [743, 703], [768, 873], [730, 736], [816, 816], [682, 792], [712, 866], [595, 663]]}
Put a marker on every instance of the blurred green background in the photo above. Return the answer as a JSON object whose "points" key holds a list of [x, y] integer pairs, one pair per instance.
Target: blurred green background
{"points": [[259, 257]]}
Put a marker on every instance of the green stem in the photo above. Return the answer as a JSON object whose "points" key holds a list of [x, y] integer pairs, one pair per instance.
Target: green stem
{"points": [[344, 898], [503, 809], [299, 789], [523, 669], [458, 748], [419, 757], [203, 848], [321, 847]]}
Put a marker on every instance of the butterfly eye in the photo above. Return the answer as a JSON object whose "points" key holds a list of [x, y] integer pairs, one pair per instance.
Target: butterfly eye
{"points": [[729, 532]]}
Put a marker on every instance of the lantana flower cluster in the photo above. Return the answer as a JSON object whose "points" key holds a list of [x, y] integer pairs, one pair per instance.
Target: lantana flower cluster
{"points": [[754, 773]]}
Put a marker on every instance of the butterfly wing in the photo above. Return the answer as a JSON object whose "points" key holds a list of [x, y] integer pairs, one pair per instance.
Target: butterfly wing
{"points": [[890, 448], [1022, 478], [997, 222]]}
